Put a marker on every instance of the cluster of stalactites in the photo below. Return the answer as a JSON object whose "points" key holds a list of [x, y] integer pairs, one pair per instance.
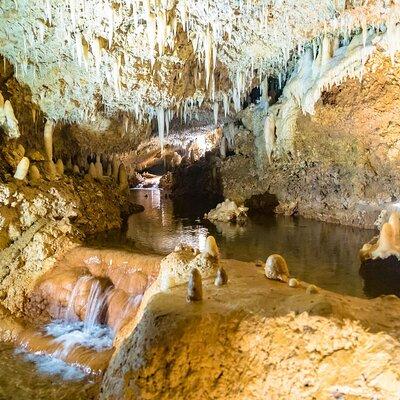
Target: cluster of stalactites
{"points": [[327, 62], [88, 30]]}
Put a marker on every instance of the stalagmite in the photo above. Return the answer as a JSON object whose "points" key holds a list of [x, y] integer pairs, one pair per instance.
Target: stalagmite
{"points": [[269, 135], [211, 247], [99, 167], [34, 174], [293, 282], [48, 139], [109, 169], [122, 178], [21, 149], [92, 171], [192, 157], [8, 119], [386, 245], [69, 165], [195, 286], [276, 268], [75, 169], [50, 170], [221, 278], [394, 221], [216, 109], [115, 168], [222, 147], [311, 289], [22, 169], [60, 167]]}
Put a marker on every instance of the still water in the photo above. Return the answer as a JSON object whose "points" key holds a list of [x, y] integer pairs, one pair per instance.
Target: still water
{"points": [[317, 252]]}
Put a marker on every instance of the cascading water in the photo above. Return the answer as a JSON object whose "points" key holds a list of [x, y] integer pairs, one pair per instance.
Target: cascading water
{"points": [[71, 333]]}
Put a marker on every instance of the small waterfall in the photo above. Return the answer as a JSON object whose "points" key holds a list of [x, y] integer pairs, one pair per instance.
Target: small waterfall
{"points": [[71, 333], [95, 302], [128, 306], [70, 314], [95, 306]]}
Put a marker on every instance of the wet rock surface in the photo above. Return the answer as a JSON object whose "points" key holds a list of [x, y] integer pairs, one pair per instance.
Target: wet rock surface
{"points": [[256, 338], [40, 223]]}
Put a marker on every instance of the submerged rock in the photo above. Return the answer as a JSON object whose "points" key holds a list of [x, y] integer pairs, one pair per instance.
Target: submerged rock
{"points": [[227, 211]]}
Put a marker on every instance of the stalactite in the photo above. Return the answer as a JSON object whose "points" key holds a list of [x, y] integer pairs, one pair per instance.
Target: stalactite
{"points": [[160, 123], [208, 46]]}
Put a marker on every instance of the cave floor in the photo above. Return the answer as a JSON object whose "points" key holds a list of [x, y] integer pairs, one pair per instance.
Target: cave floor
{"points": [[255, 338]]}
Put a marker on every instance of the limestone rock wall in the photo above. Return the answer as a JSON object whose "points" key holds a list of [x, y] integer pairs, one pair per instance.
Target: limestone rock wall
{"points": [[40, 223], [344, 166]]}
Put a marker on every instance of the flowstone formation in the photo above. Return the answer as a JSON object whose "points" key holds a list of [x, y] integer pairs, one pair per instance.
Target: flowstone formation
{"points": [[261, 339], [227, 211], [380, 259], [38, 224]]}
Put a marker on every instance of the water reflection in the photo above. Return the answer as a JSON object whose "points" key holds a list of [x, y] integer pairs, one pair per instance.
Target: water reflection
{"points": [[160, 228], [321, 253]]}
